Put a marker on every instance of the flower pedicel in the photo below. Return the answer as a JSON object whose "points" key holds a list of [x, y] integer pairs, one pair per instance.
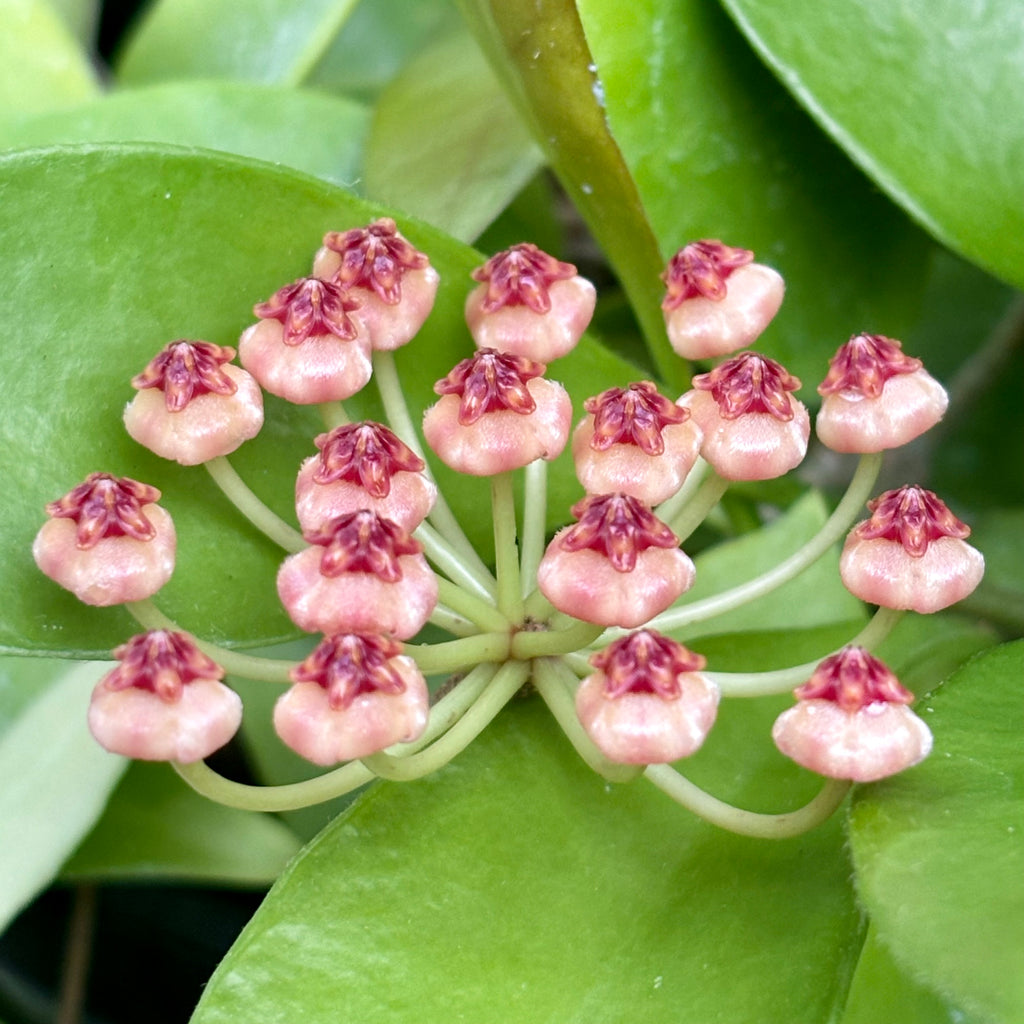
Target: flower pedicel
{"points": [[605, 593]]}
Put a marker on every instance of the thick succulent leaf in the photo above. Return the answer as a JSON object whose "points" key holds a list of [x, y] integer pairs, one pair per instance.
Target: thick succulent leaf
{"points": [[939, 850], [180, 244], [718, 150], [446, 144], [264, 41], [517, 886], [157, 827], [306, 130], [42, 65], [927, 97], [56, 780]]}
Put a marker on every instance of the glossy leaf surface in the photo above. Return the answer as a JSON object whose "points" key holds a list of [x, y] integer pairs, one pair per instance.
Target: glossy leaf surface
{"points": [[939, 850], [516, 885], [927, 97]]}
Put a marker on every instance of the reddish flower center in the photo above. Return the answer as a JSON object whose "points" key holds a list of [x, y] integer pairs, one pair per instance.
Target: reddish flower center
{"points": [[489, 381], [310, 308], [864, 364], [521, 276], [634, 415], [645, 662], [162, 662], [107, 506], [375, 258], [619, 527], [185, 369], [853, 678], [701, 268], [363, 542], [349, 664], [913, 517], [750, 383], [368, 454]]}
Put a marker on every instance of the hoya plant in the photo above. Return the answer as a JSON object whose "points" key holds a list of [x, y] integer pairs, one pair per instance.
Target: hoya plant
{"points": [[513, 512]]}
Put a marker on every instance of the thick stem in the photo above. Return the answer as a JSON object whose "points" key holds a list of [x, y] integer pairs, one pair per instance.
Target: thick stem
{"points": [[671, 507], [433, 659], [528, 644], [506, 553], [535, 505], [748, 823], [694, 512], [77, 955], [484, 614], [238, 493], [447, 560], [333, 414]]}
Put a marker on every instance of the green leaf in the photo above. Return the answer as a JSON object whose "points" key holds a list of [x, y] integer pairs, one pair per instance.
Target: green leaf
{"points": [[42, 65], [266, 122], [56, 782], [718, 150], [938, 850], [172, 244], [81, 17], [157, 827], [907, 91], [261, 41], [517, 886], [446, 144]]}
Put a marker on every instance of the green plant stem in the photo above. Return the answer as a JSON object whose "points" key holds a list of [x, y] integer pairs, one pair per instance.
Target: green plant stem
{"points": [[694, 512], [485, 615], [507, 680], [506, 553], [245, 666], [385, 374], [447, 619], [671, 507], [761, 684], [445, 558], [451, 707], [205, 781], [77, 955], [535, 504], [333, 414], [434, 659], [748, 823], [528, 644], [556, 684], [537, 607], [238, 493], [836, 525]]}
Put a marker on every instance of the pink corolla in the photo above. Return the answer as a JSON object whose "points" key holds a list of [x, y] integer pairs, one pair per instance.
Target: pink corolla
{"points": [[164, 702]]}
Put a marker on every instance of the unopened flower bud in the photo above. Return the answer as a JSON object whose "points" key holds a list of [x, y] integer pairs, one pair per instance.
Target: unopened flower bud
{"points": [[193, 405], [353, 696], [852, 721], [876, 398], [363, 465], [394, 282], [718, 300], [635, 441], [648, 702], [529, 304], [306, 348], [753, 429], [107, 541], [618, 566], [911, 554], [497, 413], [164, 702], [363, 574]]}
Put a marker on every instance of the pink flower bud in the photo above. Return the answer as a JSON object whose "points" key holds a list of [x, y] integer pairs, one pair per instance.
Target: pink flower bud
{"points": [[107, 541], [394, 283], [618, 566], [752, 429], [363, 465], [718, 301], [164, 702], [305, 348], [875, 397], [648, 703], [353, 696], [852, 721], [529, 304], [497, 413], [364, 574], [910, 554], [635, 441], [193, 405]]}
